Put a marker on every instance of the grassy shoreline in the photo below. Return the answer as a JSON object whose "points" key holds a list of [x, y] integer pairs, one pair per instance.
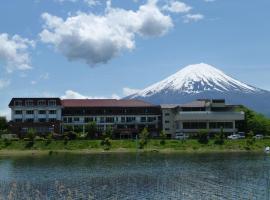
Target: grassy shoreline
{"points": [[128, 146]]}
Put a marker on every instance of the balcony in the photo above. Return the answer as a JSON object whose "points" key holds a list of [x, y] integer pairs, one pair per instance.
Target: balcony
{"points": [[209, 115]]}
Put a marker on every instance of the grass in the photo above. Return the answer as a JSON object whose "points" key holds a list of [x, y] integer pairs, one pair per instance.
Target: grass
{"points": [[89, 146]]}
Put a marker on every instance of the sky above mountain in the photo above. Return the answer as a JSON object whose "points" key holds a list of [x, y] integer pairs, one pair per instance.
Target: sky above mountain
{"points": [[110, 49]]}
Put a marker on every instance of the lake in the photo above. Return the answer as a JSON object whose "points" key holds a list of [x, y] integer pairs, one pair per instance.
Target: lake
{"points": [[136, 176]]}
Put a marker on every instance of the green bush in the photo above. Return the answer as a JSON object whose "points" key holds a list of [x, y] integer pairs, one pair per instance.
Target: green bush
{"points": [[219, 138], [143, 138], [162, 136], [203, 136]]}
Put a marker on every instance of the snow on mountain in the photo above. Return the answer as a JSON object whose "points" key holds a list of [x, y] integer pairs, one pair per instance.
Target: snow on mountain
{"points": [[195, 79], [201, 81]]}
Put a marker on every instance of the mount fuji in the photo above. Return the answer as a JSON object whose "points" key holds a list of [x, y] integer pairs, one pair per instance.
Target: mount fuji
{"points": [[203, 81]]}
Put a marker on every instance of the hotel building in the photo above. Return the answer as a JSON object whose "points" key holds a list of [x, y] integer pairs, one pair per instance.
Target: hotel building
{"points": [[126, 117]]}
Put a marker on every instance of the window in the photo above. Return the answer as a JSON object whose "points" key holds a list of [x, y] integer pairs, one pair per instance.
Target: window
{"points": [[65, 119], [143, 119], [167, 129], [123, 119], [167, 122], [18, 112], [30, 120], [102, 120], [29, 112], [167, 114], [219, 125], [42, 120], [29, 103], [52, 120], [151, 119], [131, 119], [52, 112], [194, 125], [88, 119], [52, 102], [18, 103], [18, 120], [41, 103], [109, 119], [76, 119], [42, 112]]}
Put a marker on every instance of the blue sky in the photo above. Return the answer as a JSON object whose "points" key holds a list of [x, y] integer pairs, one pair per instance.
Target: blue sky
{"points": [[78, 48]]}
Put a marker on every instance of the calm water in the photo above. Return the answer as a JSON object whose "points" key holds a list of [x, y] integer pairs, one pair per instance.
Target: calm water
{"points": [[131, 176]]}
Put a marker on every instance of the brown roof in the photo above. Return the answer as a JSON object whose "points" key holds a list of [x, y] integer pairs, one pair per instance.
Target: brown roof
{"points": [[104, 103]]}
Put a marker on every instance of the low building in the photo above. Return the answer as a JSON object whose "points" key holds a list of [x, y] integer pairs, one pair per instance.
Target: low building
{"points": [[42, 114], [190, 118], [126, 117]]}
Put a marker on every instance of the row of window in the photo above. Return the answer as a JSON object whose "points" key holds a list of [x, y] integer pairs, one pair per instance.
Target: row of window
{"points": [[39, 120], [109, 119], [39, 103], [31, 112], [203, 125]]}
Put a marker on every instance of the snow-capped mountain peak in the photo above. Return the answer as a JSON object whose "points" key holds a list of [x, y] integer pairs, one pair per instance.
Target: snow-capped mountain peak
{"points": [[195, 79]]}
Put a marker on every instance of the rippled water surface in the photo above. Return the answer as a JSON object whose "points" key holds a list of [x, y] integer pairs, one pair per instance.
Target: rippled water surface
{"points": [[131, 176]]}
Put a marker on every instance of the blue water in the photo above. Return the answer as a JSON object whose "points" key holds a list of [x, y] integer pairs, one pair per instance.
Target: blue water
{"points": [[131, 176]]}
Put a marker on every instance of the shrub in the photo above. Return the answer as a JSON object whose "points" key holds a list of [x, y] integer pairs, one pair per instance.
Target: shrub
{"points": [[219, 138], [91, 129], [31, 134], [106, 143], [203, 136], [162, 136], [49, 138], [66, 139], [250, 140], [143, 138], [7, 142]]}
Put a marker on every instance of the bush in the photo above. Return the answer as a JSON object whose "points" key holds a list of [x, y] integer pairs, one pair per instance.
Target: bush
{"points": [[7, 142], [162, 136], [49, 138], [250, 139], [219, 138], [143, 138], [203, 136], [91, 129], [31, 134], [66, 139], [70, 135], [106, 143]]}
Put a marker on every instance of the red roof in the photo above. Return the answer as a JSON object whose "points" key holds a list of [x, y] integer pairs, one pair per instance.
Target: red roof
{"points": [[104, 103]]}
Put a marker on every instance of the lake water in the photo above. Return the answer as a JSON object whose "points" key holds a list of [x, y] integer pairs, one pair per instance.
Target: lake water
{"points": [[131, 176]]}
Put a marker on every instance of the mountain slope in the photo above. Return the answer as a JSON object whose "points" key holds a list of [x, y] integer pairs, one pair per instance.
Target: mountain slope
{"points": [[205, 81]]}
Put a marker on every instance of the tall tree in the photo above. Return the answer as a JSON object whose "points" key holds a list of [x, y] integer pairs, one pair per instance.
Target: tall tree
{"points": [[91, 129]]}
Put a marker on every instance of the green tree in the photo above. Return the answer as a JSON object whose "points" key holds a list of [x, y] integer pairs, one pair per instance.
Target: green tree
{"points": [[3, 125], [203, 136], [143, 138], [91, 130], [31, 134], [162, 136], [220, 137]]}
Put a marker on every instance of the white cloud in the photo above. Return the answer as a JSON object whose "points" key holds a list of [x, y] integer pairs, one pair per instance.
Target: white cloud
{"points": [[177, 7], [4, 83], [14, 52], [70, 94], [129, 91], [88, 2], [33, 82], [209, 1], [193, 18], [97, 39], [45, 76]]}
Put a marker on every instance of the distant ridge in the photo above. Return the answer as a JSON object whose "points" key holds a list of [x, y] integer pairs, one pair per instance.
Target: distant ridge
{"points": [[205, 81]]}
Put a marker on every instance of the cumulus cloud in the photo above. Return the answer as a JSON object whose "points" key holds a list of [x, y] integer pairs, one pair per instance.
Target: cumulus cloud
{"points": [[97, 39], [70, 94], [14, 52], [177, 7], [4, 83], [88, 2], [129, 91], [193, 17]]}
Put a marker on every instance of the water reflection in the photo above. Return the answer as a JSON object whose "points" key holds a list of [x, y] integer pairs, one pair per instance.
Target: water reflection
{"points": [[128, 176]]}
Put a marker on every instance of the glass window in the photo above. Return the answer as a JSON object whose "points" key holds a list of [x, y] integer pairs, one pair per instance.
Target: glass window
{"points": [[52, 102], [41, 102], [143, 119], [42, 112], [18, 103], [18, 112], [42, 120], [29, 103], [18, 120], [52, 112], [29, 112]]}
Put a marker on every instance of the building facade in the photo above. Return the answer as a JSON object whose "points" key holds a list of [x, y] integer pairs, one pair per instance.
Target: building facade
{"points": [[42, 114], [190, 118], [126, 117]]}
